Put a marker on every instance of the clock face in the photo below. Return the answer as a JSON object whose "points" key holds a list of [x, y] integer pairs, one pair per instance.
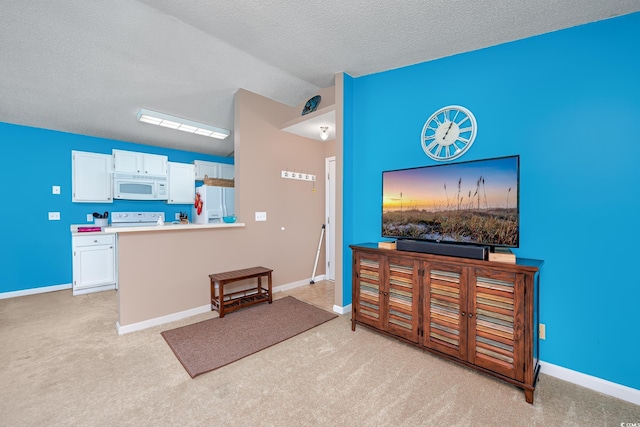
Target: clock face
{"points": [[448, 133]]}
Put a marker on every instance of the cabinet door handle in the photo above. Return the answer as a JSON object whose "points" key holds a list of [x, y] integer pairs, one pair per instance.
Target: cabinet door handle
{"points": [[470, 314], [95, 241], [463, 314]]}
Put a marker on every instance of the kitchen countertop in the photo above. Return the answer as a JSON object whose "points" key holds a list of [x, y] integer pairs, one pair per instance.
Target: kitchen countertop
{"points": [[166, 227], [171, 227]]}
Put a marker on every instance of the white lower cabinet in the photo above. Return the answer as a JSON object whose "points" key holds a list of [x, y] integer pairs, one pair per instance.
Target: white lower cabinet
{"points": [[94, 263]]}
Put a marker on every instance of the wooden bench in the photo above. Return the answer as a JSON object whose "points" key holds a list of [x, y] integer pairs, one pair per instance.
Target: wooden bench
{"points": [[228, 302]]}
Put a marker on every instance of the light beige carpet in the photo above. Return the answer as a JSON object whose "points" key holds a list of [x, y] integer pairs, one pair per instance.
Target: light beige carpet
{"points": [[208, 345], [64, 365]]}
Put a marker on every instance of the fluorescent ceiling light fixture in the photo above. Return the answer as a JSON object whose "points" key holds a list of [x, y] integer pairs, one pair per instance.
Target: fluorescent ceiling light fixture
{"points": [[173, 122]]}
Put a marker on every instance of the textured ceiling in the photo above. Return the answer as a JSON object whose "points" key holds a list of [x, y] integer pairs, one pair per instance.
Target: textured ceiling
{"points": [[87, 66]]}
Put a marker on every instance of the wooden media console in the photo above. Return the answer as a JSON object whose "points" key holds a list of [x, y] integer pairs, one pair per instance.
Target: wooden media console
{"points": [[481, 314]]}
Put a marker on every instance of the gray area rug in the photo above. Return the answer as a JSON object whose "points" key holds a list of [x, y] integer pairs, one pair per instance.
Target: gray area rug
{"points": [[208, 345]]}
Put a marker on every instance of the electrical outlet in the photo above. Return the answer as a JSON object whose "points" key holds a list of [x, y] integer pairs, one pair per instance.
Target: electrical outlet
{"points": [[89, 218], [542, 331], [55, 189], [54, 216], [176, 216], [261, 216]]}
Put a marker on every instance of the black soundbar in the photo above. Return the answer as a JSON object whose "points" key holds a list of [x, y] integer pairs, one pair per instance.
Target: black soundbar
{"points": [[447, 249]]}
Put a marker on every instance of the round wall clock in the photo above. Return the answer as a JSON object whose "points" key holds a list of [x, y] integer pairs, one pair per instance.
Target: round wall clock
{"points": [[448, 133]]}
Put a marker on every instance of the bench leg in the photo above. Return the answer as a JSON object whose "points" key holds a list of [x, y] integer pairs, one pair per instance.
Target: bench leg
{"points": [[221, 293]]}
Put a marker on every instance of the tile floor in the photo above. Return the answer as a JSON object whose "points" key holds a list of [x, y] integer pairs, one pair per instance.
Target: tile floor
{"points": [[321, 294]]}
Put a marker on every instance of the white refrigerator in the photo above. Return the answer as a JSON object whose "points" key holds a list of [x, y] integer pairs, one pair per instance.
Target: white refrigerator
{"points": [[216, 203]]}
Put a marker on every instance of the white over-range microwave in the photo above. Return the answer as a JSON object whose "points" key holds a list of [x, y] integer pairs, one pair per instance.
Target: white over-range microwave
{"points": [[140, 187]]}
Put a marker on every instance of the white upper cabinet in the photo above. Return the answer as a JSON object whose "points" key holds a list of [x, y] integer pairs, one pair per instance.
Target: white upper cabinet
{"points": [[127, 161], [226, 171], [212, 170], [91, 177], [139, 163], [182, 186], [153, 164], [209, 169]]}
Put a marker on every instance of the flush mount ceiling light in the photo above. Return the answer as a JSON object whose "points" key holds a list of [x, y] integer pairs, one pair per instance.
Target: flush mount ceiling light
{"points": [[323, 133], [173, 122]]}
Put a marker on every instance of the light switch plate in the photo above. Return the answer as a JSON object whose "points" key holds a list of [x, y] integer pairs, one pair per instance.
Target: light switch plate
{"points": [[54, 216], [55, 189], [261, 216]]}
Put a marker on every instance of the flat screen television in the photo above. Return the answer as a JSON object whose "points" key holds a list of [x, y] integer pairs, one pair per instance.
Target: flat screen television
{"points": [[472, 203]]}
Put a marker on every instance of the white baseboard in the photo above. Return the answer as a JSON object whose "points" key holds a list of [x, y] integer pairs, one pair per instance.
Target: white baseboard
{"points": [[34, 291], [94, 289], [342, 310], [293, 285], [297, 284], [319, 278], [594, 383], [194, 311], [161, 320], [54, 288]]}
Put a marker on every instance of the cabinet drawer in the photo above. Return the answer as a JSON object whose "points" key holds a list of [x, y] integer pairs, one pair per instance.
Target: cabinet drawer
{"points": [[94, 239]]}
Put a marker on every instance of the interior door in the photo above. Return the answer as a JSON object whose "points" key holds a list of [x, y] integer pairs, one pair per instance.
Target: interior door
{"points": [[330, 207]]}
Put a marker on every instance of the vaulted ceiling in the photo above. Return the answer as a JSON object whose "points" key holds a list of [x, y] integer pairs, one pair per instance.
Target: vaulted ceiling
{"points": [[87, 67]]}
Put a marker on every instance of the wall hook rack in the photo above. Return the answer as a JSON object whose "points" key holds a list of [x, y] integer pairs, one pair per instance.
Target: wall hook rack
{"points": [[301, 176]]}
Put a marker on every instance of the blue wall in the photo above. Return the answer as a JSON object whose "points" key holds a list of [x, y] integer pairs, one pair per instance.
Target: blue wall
{"points": [[36, 252], [568, 103]]}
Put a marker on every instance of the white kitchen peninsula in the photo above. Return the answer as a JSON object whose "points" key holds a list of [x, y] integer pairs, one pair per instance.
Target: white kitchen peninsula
{"points": [[163, 270], [171, 227]]}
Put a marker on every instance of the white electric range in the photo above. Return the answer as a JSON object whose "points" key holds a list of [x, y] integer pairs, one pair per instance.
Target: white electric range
{"points": [[135, 219]]}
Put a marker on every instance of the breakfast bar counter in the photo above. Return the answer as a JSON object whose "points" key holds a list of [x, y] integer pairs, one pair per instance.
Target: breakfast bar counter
{"points": [[163, 270], [171, 227]]}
